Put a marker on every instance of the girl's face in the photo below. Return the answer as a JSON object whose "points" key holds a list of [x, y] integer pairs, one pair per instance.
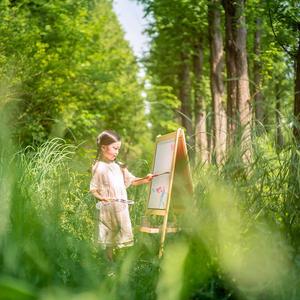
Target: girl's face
{"points": [[110, 152]]}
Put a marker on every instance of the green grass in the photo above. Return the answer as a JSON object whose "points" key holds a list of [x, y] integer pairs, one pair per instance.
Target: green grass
{"points": [[241, 240]]}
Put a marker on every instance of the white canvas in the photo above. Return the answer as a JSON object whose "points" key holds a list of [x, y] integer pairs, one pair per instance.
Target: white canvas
{"points": [[159, 190]]}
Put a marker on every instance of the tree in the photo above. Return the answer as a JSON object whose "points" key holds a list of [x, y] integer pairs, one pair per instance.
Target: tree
{"points": [[239, 108], [258, 97], [270, 73], [216, 80], [185, 96], [175, 30], [201, 140], [285, 23], [76, 73]]}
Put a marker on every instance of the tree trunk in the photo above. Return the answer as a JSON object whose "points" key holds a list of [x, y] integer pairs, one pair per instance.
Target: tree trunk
{"points": [[294, 185], [297, 96], [237, 71], [231, 71], [244, 106], [258, 97], [184, 97], [199, 110], [279, 135], [216, 80]]}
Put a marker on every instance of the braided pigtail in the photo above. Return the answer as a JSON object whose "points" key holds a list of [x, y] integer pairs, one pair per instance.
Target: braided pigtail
{"points": [[97, 158]]}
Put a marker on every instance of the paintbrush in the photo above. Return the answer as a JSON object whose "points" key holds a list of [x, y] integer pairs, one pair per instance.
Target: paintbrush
{"points": [[154, 175]]}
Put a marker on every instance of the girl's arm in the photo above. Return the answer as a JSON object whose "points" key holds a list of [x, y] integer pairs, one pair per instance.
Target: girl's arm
{"points": [[96, 194], [143, 180]]}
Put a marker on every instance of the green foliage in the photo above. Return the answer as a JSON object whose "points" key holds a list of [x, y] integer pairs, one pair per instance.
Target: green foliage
{"points": [[73, 71], [240, 240], [164, 105], [285, 21], [45, 171], [176, 29], [247, 226], [67, 71], [276, 69]]}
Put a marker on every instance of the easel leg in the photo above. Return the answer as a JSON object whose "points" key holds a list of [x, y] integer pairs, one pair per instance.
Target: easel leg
{"points": [[163, 236]]}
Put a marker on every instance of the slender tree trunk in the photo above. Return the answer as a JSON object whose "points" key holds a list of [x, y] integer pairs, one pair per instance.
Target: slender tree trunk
{"points": [[216, 80], [201, 143], [297, 95], [294, 185], [279, 135], [244, 106], [258, 97], [184, 96], [231, 71], [237, 70]]}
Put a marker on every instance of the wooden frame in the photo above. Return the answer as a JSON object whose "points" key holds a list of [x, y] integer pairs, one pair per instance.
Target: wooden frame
{"points": [[179, 152]]}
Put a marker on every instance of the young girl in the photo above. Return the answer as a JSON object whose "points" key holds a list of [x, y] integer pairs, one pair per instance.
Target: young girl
{"points": [[109, 182]]}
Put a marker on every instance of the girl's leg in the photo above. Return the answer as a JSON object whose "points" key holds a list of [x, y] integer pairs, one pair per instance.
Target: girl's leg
{"points": [[111, 262], [109, 254]]}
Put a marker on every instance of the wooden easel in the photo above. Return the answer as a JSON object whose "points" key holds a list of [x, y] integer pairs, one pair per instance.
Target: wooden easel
{"points": [[171, 159]]}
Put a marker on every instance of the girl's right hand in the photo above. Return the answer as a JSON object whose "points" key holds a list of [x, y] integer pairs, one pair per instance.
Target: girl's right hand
{"points": [[149, 177], [104, 200]]}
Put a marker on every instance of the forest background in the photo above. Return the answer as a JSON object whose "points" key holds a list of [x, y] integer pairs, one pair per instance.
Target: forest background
{"points": [[228, 72]]}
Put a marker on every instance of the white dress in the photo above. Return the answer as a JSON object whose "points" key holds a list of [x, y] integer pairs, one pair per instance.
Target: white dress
{"points": [[111, 181]]}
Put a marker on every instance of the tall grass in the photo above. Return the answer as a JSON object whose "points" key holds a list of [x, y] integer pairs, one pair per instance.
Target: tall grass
{"points": [[47, 246], [249, 221], [240, 239], [44, 243]]}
